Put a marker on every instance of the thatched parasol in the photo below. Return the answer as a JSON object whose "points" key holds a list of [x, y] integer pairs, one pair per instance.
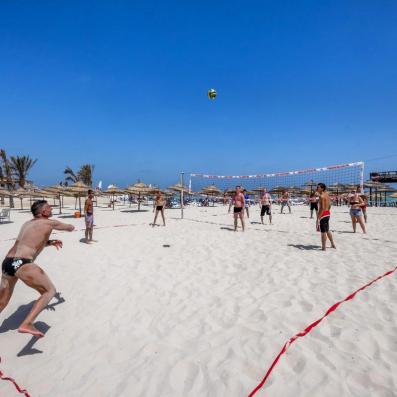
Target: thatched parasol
{"points": [[211, 190], [113, 190], [376, 186], [278, 190], [180, 188], [138, 189], [294, 189], [59, 191], [21, 193], [5, 193], [259, 189], [78, 190], [310, 184]]}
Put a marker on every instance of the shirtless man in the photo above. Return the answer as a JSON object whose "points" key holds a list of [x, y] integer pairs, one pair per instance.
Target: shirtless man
{"points": [[159, 206], [323, 216], [19, 263], [285, 201], [238, 202], [89, 216], [265, 205], [313, 201]]}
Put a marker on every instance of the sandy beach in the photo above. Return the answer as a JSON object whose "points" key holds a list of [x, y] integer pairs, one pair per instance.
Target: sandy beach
{"points": [[206, 316]]}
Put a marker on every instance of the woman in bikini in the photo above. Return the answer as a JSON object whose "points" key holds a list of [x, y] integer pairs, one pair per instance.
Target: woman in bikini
{"points": [[159, 206], [356, 213]]}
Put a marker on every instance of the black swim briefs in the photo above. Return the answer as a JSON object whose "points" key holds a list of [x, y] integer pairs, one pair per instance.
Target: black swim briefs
{"points": [[237, 210], [266, 210], [11, 265], [159, 208], [324, 224], [314, 206]]}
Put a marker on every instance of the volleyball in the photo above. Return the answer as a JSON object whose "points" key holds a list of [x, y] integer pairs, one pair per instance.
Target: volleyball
{"points": [[211, 94]]}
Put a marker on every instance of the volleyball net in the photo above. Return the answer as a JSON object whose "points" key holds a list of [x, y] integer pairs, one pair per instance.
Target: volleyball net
{"points": [[333, 176]]}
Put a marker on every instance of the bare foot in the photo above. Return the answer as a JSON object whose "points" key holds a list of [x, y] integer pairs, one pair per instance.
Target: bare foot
{"points": [[333, 246], [30, 329]]}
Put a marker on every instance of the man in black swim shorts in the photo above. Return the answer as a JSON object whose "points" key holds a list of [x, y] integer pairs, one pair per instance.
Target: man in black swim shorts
{"points": [[19, 263], [323, 216], [266, 205], [238, 201]]}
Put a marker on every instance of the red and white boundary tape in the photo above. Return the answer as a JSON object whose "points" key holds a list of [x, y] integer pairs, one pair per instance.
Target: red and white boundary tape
{"points": [[283, 350], [20, 390], [310, 327]]}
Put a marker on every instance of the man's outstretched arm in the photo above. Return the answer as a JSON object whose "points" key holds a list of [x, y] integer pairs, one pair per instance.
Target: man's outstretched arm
{"points": [[57, 225]]}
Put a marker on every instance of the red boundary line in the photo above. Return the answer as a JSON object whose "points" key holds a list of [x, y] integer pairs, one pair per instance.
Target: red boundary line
{"points": [[310, 327], [20, 390]]}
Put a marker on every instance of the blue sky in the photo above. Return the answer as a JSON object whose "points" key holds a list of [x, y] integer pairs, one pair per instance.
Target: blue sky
{"points": [[122, 85]]}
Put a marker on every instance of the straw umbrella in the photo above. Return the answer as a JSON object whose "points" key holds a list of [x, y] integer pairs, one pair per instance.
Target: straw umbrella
{"points": [[138, 189], [211, 190], [310, 184], [278, 190], [4, 192], [57, 190], [77, 190], [21, 193], [338, 188], [182, 189], [113, 190], [376, 186], [259, 189], [385, 189]]}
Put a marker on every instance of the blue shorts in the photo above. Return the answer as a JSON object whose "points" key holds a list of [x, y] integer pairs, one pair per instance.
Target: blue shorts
{"points": [[356, 212], [89, 220]]}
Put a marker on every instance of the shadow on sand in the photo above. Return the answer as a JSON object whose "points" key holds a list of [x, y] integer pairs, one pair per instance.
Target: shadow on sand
{"points": [[14, 321], [230, 229], [28, 349], [133, 211], [305, 247]]}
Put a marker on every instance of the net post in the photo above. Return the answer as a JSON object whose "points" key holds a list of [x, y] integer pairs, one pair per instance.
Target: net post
{"points": [[362, 176], [182, 195]]}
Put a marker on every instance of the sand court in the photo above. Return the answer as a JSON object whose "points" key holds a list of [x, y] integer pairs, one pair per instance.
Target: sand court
{"points": [[207, 315]]}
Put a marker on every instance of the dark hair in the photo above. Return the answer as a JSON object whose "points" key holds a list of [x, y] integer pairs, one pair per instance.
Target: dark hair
{"points": [[37, 206], [322, 185], [90, 191]]}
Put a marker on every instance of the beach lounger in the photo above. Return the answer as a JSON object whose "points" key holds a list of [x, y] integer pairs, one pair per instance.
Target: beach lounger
{"points": [[5, 215]]}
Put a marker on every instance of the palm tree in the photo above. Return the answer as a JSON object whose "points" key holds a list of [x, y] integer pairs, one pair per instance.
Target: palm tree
{"points": [[21, 165], [85, 173], [71, 176], [8, 173]]}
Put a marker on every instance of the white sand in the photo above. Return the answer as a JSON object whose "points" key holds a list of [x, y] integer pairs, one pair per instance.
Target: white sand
{"points": [[207, 316]]}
